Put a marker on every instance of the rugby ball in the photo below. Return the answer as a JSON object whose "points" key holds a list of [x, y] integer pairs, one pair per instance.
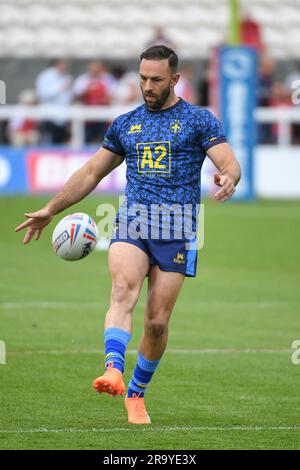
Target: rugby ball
{"points": [[75, 236]]}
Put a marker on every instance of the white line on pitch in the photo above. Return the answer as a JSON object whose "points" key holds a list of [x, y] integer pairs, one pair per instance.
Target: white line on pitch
{"points": [[49, 305], [44, 304], [154, 429], [169, 351]]}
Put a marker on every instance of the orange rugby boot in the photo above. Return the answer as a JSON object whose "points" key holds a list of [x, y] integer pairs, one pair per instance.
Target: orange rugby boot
{"points": [[137, 413], [110, 382]]}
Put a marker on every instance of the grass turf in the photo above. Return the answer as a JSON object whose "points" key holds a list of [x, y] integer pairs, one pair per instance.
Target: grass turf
{"points": [[245, 297]]}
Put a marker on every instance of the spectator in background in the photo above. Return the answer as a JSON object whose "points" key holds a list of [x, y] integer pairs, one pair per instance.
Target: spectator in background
{"points": [[185, 88], [127, 89], [109, 79], [292, 83], [293, 76], [203, 87], [160, 38], [21, 130], [54, 87], [250, 32], [280, 98], [265, 81], [94, 88]]}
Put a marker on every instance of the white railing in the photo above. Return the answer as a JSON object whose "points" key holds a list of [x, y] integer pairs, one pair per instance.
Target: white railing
{"points": [[78, 114], [283, 117]]}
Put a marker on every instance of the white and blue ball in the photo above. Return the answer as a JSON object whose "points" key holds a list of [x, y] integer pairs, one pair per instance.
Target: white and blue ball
{"points": [[75, 236]]}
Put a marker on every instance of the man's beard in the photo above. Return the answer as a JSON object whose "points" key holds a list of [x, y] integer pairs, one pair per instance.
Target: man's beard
{"points": [[159, 101]]}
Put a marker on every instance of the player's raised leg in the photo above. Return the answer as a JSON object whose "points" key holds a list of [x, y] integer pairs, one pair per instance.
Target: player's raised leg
{"points": [[128, 267], [163, 290]]}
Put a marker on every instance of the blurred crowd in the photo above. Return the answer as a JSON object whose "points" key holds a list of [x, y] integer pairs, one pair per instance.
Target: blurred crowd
{"points": [[102, 85], [55, 86], [99, 85]]}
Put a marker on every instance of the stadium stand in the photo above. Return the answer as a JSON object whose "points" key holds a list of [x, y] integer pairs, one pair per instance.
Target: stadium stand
{"points": [[117, 29]]}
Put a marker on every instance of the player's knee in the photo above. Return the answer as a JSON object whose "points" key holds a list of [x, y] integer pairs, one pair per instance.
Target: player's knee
{"points": [[123, 292], [156, 328]]}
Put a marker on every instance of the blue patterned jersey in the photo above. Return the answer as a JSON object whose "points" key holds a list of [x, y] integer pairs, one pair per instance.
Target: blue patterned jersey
{"points": [[164, 151]]}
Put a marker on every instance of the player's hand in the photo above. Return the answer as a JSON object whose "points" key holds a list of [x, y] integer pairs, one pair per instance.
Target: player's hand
{"points": [[227, 187], [35, 223]]}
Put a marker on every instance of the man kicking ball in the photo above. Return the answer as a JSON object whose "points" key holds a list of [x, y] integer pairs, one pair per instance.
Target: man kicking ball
{"points": [[164, 143]]}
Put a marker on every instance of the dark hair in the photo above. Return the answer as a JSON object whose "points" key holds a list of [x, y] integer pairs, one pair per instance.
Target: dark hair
{"points": [[53, 62], [161, 52]]}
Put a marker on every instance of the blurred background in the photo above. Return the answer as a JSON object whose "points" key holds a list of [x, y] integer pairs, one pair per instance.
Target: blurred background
{"points": [[69, 67]]}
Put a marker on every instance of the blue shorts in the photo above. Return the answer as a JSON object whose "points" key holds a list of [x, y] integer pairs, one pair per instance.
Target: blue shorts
{"points": [[175, 255]]}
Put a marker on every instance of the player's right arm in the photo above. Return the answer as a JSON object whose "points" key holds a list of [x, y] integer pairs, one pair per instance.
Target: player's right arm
{"points": [[79, 185]]}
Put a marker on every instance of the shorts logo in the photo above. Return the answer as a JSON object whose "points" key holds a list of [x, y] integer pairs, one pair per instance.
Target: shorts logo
{"points": [[176, 126], [135, 129], [179, 258]]}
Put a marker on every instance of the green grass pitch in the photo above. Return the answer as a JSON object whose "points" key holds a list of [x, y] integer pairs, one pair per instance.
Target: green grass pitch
{"points": [[226, 380]]}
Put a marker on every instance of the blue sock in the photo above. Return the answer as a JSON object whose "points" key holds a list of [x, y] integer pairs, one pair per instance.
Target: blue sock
{"points": [[141, 376], [115, 341]]}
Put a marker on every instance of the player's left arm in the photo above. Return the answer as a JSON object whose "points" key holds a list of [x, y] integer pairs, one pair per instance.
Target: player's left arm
{"points": [[229, 174]]}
